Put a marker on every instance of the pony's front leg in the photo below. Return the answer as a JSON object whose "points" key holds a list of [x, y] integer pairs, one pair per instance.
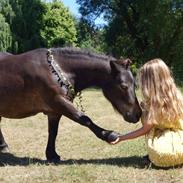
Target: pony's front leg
{"points": [[106, 135], [53, 122], [71, 112]]}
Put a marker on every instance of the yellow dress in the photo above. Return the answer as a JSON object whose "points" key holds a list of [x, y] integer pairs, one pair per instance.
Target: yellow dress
{"points": [[165, 144]]}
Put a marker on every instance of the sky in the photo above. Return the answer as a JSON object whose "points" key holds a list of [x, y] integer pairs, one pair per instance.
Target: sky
{"points": [[74, 8], [72, 5]]}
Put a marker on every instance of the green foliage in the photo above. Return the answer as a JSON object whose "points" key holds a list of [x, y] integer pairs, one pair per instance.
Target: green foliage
{"points": [[6, 14], [5, 34], [26, 24], [6, 10], [59, 27], [141, 30], [89, 36], [35, 23]]}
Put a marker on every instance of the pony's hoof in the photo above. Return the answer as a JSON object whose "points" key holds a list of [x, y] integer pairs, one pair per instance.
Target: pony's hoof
{"points": [[112, 137], [56, 160]]}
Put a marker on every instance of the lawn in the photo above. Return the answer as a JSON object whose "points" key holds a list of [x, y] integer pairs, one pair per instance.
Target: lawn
{"points": [[87, 159]]}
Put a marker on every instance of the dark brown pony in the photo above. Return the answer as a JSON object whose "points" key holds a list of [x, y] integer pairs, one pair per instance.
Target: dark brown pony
{"points": [[47, 81]]}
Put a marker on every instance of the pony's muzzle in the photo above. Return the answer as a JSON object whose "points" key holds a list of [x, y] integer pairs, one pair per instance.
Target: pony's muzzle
{"points": [[132, 117]]}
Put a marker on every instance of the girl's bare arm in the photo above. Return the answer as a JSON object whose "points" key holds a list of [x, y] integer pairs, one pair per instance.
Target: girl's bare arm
{"points": [[134, 134]]}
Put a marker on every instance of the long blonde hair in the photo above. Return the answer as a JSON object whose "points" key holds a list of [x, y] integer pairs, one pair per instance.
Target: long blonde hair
{"points": [[161, 96]]}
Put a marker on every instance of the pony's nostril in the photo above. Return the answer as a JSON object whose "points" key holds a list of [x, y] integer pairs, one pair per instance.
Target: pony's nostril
{"points": [[128, 114], [131, 118]]}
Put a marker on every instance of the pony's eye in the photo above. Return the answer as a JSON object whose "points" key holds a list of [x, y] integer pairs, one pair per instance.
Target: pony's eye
{"points": [[124, 87]]}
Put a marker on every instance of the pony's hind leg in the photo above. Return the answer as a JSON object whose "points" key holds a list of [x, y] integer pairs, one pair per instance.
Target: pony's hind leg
{"points": [[53, 122], [3, 145]]}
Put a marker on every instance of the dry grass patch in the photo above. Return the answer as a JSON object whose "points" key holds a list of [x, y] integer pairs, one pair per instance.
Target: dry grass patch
{"points": [[88, 159]]}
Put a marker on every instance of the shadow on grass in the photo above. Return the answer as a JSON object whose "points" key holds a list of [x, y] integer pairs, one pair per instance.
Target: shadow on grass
{"points": [[133, 161], [11, 160]]}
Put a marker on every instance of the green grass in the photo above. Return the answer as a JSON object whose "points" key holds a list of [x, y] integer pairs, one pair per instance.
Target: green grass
{"points": [[87, 159]]}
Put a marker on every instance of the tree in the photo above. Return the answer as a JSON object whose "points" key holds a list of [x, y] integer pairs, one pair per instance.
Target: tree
{"points": [[89, 36], [59, 26], [6, 10], [5, 35], [141, 29], [5, 32], [26, 24]]}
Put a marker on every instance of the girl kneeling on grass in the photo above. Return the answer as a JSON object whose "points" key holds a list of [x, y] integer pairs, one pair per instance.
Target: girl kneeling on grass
{"points": [[162, 116]]}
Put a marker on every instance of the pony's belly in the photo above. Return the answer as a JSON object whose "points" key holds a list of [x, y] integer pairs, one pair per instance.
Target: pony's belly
{"points": [[23, 106], [22, 112], [17, 115]]}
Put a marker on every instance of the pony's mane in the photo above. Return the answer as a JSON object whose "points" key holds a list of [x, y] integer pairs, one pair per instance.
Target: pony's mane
{"points": [[77, 52]]}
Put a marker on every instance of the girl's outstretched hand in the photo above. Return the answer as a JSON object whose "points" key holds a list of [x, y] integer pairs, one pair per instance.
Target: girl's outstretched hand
{"points": [[115, 142]]}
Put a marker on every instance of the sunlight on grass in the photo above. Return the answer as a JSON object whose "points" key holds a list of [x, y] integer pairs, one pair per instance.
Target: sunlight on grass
{"points": [[87, 159]]}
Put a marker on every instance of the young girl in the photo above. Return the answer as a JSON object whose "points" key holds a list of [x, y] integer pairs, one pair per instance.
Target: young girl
{"points": [[162, 116]]}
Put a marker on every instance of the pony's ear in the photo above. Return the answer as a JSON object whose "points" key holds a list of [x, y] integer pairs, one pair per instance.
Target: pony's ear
{"points": [[114, 68], [126, 62]]}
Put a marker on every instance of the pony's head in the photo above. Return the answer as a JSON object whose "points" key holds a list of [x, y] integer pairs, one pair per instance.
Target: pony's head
{"points": [[120, 90]]}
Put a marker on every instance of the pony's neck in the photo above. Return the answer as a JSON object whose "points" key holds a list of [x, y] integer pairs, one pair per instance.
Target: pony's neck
{"points": [[84, 69], [91, 74]]}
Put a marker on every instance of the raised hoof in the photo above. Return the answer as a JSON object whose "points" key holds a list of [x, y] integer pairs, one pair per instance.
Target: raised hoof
{"points": [[4, 149], [112, 137]]}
